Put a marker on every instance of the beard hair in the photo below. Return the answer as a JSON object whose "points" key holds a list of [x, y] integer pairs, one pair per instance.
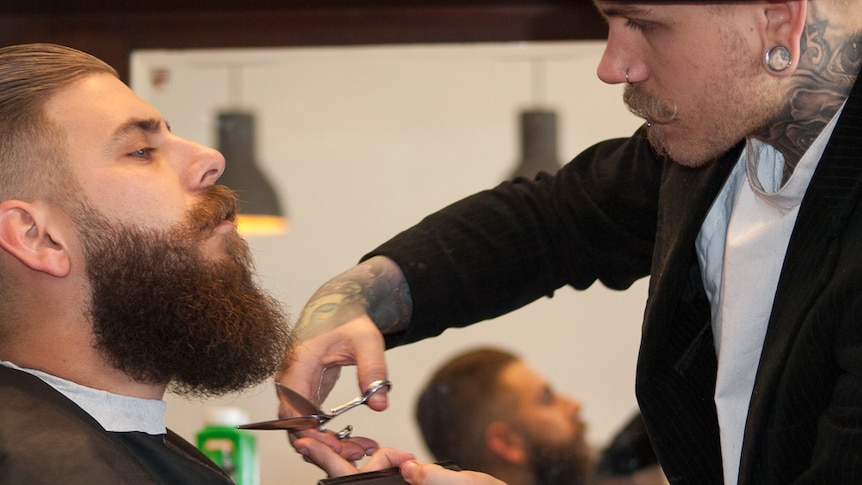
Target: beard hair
{"points": [[560, 464], [164, 313]]}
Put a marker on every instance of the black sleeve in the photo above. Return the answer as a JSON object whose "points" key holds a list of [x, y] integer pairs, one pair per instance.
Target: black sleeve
{"points": [[500, 249]]}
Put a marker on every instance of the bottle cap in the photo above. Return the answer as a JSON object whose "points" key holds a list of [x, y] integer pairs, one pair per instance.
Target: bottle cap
{"points": [[225, 416]]}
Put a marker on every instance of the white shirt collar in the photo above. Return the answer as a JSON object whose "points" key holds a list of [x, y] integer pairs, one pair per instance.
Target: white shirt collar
{"points": [[114, 412]]}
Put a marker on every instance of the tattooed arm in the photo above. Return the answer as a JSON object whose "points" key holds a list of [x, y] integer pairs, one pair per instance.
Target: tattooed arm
{"points": [[343, 324]]}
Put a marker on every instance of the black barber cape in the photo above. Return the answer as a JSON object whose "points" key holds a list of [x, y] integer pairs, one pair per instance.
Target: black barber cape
{"points": [[46, 438]]}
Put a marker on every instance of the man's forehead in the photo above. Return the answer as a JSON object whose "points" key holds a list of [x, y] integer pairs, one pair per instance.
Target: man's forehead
{"points": [[520, 376], [103, 100]]}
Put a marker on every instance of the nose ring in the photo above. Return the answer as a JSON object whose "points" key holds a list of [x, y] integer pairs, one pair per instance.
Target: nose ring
{"points": [[627, 76]]}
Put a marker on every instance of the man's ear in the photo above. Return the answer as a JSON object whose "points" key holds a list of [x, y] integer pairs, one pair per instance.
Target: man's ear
{"points": [[785, 26], [505, 443], [26, 235]]}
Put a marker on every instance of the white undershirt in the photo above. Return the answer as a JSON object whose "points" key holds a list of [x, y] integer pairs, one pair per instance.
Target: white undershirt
{"points": [[114, 412], [745, 235]]}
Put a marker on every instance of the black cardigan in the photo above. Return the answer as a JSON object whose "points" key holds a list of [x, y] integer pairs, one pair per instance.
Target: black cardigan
{"points": [[617, 213]]}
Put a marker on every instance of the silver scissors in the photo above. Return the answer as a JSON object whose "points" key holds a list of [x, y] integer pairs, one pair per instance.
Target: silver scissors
{"points": [[312, 417]]}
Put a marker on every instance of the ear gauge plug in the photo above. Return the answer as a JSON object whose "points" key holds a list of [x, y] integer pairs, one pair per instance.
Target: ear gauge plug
{"points": [[778, 58]]}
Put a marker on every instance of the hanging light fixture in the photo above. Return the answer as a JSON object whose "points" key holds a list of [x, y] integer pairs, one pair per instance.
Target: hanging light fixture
{"points": [[260, 209], [538, 143], [538, 129], [261, 212]]}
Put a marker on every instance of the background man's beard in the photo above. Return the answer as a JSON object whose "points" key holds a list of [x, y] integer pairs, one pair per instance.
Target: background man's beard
{"points": [[560, 464], [162, 312]]}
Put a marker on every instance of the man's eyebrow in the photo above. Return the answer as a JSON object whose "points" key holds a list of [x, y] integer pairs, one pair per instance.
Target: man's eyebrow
{"points": [[133, 126]]}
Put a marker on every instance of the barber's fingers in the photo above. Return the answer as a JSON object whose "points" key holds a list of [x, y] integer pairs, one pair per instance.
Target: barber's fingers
{"points": [[336, 465], [316, 363], [418, 473], [303, 372], [324, 457], [371, 365], [351, 449]]}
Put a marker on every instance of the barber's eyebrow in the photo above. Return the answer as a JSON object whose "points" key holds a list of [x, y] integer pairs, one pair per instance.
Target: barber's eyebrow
{"points": [[622, 10]]}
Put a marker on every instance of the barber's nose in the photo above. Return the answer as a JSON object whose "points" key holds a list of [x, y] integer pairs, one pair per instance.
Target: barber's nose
{"points": [[620, 62], [610, 71]]}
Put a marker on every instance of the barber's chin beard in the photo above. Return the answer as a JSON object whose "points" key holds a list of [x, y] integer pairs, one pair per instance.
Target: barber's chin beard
{"points": [[163, 313], [560, 464]]}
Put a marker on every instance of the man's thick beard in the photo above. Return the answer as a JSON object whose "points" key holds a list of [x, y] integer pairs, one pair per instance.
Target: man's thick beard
{"points": [[164, 313], [560, 464]]}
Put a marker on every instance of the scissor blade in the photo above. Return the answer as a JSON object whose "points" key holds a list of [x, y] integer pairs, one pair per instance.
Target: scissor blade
{"points": [[301, 422], [303, 405]]}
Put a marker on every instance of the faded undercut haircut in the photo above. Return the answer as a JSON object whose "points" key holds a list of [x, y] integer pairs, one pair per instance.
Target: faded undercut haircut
{"points": [[33, 156], [33, 162], [459, 402]]}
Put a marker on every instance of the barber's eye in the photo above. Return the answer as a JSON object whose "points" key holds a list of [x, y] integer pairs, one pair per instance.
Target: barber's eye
{"points": [[638, 25], [141, 153]]}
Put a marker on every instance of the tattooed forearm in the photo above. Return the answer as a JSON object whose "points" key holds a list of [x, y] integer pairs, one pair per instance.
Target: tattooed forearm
{"points": [[375, 287]]}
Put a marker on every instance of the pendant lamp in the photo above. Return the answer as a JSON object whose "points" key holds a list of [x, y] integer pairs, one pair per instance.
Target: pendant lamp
{"points": [[538, 131], [260, 209], [538, 143]]}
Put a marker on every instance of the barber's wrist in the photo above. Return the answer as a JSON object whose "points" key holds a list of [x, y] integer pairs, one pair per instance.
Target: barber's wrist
{"points": [[387, 295]]}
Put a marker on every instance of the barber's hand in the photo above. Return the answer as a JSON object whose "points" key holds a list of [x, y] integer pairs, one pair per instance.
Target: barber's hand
{"points": [[321, 358], [317, 361], [336, 465], [350, 449], [418, 473], [343, 324]]}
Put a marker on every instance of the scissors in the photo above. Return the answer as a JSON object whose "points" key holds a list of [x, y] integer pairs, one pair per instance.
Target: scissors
{"points": [[312, 416]]}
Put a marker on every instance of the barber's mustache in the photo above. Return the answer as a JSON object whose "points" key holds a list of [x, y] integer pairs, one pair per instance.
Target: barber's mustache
{"points": [[217, 204], [647, 106]]}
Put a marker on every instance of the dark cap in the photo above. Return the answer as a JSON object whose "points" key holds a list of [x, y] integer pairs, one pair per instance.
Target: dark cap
{"points": [[683, 1]]}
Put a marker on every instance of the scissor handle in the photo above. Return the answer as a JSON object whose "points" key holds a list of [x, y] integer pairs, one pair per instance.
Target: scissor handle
{"points": [[374, 387]]}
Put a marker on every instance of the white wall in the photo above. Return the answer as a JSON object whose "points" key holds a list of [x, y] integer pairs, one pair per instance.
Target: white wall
{"points": [[362, 142]]}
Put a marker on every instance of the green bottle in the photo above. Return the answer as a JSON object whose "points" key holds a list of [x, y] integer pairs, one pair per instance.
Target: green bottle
{"points": [[234, 450]]}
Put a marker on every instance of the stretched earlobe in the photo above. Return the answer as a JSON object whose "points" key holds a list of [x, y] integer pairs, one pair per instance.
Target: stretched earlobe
{"points": [[24, 234], [785, 25]]}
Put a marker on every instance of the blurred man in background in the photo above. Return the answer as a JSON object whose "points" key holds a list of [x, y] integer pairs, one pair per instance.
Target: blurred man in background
{"points": [[487, 410]]}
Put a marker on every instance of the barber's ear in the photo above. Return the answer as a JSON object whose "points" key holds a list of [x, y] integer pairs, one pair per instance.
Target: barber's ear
{"points": [[785, 25], [27, 234], [505, 442]]}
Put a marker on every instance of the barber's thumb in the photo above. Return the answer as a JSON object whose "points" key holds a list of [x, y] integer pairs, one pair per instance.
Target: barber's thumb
{"points": [[371, 371], [379, 400]]}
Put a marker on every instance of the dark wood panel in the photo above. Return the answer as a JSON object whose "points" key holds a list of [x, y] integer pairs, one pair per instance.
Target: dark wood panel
{"points": [[41, 7], [113, 31]]}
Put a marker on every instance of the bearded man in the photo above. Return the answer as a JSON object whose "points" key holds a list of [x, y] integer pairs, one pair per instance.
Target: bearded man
{"points": [[487, 410], [121, 275]]}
